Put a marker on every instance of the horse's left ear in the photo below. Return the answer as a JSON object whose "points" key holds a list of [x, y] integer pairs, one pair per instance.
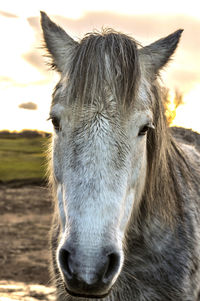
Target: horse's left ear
{"points": [[157, 54], [58, 43]]}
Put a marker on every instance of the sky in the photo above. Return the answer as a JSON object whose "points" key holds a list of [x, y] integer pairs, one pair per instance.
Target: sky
{"points": [[26, 83]]}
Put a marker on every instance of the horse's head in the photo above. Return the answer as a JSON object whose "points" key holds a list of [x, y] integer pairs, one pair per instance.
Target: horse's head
{"points": [[102, 111]]}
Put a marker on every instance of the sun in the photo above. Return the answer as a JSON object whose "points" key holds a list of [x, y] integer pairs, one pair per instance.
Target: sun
{"points": [[187, 115]]}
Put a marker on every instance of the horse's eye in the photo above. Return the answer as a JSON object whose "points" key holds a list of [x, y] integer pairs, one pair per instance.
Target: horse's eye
{"points": [[56, 123], [143, 130]]}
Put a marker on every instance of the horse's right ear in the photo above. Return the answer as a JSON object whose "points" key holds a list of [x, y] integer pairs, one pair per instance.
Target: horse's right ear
{"points": [[58, 43]]}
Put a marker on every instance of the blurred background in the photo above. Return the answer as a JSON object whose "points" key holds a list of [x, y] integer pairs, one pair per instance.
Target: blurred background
{"points": [[26, 85]]}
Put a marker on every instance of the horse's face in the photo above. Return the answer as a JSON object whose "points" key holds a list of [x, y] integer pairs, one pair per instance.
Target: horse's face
{"points": [[99, 158], [99, 164]]}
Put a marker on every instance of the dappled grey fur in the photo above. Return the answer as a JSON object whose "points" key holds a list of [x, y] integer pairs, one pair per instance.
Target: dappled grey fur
{"points": [[162, 240]]}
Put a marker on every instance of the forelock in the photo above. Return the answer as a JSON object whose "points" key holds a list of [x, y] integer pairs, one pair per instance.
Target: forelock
{"points": [[105, 62]]}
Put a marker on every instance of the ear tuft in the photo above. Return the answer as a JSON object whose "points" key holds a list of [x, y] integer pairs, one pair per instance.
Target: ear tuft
{"points": [[157, 54], [58, 43]]}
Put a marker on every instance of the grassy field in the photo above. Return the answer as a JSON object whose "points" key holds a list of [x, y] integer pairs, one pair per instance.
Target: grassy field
{"points": [[22, 158]]}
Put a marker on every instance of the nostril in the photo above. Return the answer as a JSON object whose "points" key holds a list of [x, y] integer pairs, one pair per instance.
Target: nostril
{"points": [[113, 264], [65, 263]]}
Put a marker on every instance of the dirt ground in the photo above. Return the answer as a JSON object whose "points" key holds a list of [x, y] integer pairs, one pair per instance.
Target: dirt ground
{"points": [[25, 215]]}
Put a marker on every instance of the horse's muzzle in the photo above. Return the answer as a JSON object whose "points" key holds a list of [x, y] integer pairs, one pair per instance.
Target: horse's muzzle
{"points": [[88, 276], [86, 295]]}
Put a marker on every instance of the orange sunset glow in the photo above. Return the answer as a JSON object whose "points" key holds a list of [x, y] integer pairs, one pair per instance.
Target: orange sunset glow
{"points": [[26, 84]]}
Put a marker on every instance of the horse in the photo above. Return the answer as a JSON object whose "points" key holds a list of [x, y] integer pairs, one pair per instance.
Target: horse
{"points": [[126, 222]]}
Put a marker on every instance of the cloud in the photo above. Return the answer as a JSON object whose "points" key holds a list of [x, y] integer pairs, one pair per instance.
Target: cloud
{"points": [[8, 15], [185, 76], [182, 79], [34, 57], [6, 79], [28, 106], [34, 22]]}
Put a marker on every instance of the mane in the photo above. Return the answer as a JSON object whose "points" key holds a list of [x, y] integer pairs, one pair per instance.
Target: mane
{"points": [[168, 167], [104, 63]]}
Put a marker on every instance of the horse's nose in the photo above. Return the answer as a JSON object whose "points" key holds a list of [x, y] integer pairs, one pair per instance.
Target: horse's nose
{"points": [[88, 275]]}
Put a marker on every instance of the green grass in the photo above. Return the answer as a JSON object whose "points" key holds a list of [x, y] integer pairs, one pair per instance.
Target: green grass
{"points": [[22, 158]]}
